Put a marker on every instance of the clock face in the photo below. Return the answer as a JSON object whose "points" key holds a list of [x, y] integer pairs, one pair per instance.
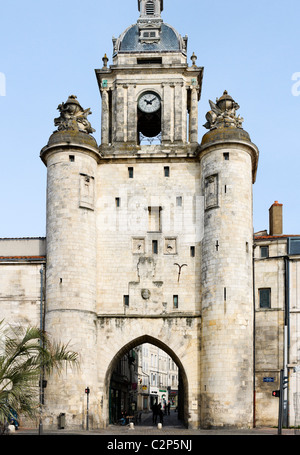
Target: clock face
{"points": [[149, 102]]}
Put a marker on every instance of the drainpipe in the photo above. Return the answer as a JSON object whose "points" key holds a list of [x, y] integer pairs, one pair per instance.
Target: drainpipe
{"points": [[41, 341], [286, 341], [254, 386]]}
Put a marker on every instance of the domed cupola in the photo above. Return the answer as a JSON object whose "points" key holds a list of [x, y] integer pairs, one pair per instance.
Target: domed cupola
{"points": [[149, 93], [150, 34]]}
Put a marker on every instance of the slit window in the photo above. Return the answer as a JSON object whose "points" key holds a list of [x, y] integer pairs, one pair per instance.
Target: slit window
{"points": [[118, 202], [154, 247], [126, 300], [167, 171], [175, 301], [192, 251], [179, 201], [130, 172]]}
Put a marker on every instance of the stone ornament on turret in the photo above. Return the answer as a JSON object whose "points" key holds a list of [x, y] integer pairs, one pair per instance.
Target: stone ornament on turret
{"points": [[73, 130], [73, 117], [225, 128], [223, 113]]}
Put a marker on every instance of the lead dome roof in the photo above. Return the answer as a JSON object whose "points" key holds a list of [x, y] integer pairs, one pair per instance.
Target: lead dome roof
{"points": [[169, 41]]}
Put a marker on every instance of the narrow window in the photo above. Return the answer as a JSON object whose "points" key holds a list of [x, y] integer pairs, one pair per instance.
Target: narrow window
{"points": [[265, 298], [118, 202], [175, 301], [126, 300], [225, 295], [130, 172], [264, 251], [71, 158], [226, 156], [192, 251], [154, 247], [294, 246], [154, 220], [167, 171], [179, 201]]}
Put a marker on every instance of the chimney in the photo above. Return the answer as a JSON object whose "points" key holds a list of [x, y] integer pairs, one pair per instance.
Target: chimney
{"points": [[275, 219]]}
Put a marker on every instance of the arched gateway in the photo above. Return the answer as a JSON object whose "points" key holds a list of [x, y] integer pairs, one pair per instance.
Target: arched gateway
{"points": [[183, 406], [149, 235]]}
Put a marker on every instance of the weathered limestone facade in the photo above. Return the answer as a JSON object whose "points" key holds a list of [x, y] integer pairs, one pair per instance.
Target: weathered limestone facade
{"points": [[226, 277], [139, 235], [150, 240]]}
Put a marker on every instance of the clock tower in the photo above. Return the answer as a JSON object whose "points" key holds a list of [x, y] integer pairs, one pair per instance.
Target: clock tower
{"points": [[149, 235], [149, 94]]}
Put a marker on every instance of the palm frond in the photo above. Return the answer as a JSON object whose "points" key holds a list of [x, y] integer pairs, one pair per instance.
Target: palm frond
{"points": [[23, 355]]}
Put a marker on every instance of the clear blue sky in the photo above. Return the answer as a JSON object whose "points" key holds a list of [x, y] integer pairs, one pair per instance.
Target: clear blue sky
{"points": [[49, 50]]}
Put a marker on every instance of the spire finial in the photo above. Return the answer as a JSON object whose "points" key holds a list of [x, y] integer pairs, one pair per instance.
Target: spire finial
{"points": [[105, 60], [194, 58]]}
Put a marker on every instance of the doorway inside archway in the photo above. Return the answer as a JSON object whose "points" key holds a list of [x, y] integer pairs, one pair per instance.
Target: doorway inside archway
{"points": [[147, 385]]}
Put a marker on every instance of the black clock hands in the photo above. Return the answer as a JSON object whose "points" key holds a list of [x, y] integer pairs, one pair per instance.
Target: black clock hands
{"points": [[150, 101]]}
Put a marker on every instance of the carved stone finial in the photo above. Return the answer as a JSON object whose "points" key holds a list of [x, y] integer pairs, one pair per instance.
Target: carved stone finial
{"points": [[105, 60], [223, 113], [73, 116], [194, 58]]}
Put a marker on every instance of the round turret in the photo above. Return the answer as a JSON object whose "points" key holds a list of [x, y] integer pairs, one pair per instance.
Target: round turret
{"points": [[71, 157], [228, 161]]}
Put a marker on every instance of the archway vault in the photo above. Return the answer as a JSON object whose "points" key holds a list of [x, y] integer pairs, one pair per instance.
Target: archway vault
{"points": [[137, 342], [160, 344]]}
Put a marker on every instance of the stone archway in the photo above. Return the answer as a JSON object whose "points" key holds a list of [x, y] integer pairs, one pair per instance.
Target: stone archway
{"points": [[183, 407]]}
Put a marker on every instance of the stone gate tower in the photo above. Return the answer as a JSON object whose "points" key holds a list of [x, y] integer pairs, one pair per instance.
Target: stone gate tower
{"points": [[149, 235]]}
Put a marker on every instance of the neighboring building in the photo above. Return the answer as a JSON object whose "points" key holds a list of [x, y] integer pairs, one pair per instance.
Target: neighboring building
{"points": [[158, 377], [144, 375], [22, 280], [277, 310], [150, 241], [124, 387]]}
